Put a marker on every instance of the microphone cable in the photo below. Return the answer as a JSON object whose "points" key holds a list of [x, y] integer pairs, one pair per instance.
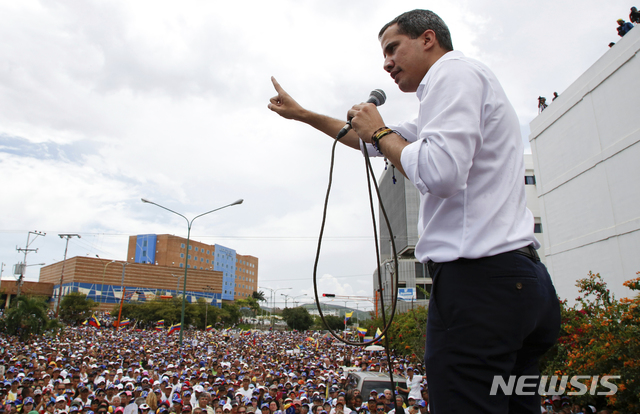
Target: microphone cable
{"points": [[394, 293]]}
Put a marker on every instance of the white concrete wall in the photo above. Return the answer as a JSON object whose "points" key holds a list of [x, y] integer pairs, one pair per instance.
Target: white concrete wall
{"points": [[586, 154], [531, 193]]}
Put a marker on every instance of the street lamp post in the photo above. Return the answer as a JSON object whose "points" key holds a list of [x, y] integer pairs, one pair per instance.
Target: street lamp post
{"points": [[64, 236], [299, 296], [177, 282], [186, 256], [273, 299], [123, 291], [286, 297]]}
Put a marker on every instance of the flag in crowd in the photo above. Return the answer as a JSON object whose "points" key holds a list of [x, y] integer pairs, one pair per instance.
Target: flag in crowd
{"points": [[160, 322], [379, 335], [125, 322], [93, 321], [347, 316], [209, 328], [173, 328], [362, 332]]}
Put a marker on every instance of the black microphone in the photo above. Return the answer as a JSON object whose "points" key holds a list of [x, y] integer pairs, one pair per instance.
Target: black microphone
{"points": [[376, 97]]}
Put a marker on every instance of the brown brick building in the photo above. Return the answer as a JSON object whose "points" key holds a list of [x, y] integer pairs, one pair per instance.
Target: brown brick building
{"points": [[9, 290], [155, 267], [101, 280], [239, 272]]}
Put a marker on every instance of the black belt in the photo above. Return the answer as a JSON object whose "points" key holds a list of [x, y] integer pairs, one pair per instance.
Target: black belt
{"points": [[527, 251]]}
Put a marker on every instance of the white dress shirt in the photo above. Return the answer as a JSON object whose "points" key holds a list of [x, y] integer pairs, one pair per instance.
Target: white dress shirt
{"points": [[466, 160]]}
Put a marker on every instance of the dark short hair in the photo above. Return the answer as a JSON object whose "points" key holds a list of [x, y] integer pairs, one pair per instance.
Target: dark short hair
{"points": [[415, 22]]}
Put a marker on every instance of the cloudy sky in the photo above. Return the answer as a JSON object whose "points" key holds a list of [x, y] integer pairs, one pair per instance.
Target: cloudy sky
{"points": [[105, 102]]}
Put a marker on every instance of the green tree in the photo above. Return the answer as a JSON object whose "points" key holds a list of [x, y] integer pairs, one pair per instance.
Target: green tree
{"points": [[297, 318], [407, 334], [75, 308], [251, 303], [230, 314], [26, 316], [334, 323], [259, 296]]}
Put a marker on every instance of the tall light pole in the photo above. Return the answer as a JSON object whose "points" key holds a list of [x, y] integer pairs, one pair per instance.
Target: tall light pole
{"points": [[299, 296], [186, 256], [123, 290], [178, 282], [64, 236], [273, 298], [270, 299], [285, 299]]}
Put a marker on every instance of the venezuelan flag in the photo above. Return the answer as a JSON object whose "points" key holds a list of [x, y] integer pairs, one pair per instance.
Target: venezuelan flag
{"points": [[93, 321], [378, 333], [160, 322], [173, 328], [362, 331], [209, 328], [125, 322]]}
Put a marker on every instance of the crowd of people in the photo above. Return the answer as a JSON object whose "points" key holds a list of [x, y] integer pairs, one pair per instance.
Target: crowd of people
{"points": [[104, 371], [86, 370]]}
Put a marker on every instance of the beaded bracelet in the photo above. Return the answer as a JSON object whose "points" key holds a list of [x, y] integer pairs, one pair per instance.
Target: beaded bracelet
{"points": [[378, 130], [378, 135]]}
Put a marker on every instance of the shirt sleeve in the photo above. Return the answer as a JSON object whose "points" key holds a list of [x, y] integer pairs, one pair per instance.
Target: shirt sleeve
{"points": [[449, 130]]}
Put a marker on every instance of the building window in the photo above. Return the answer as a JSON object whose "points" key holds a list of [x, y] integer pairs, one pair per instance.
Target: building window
{"points": [[182, 255], [421, 289], [144, 243], [530, 180], [181, 264], [190, 247], [182, 245], [537, 228]]}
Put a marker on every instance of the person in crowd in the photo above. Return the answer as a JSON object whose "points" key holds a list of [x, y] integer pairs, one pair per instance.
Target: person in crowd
{"points": [[623, 27], [634, 16]]}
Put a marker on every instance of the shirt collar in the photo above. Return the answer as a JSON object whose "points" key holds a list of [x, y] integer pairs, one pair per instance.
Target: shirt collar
{"points": [[454, 54]]}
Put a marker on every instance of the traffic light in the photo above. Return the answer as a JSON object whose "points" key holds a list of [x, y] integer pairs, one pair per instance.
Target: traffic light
{"points": [[328, 295]]}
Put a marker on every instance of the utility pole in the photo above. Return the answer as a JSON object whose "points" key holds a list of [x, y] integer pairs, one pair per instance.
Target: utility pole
{"points": [[64, 261], [26, 250]]}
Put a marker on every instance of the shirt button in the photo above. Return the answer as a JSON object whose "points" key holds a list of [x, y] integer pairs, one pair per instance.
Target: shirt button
{"points": [[518, 285]]}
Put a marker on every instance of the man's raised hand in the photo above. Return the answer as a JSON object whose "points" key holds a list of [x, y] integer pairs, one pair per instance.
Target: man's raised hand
{"points": [[283, 104]]}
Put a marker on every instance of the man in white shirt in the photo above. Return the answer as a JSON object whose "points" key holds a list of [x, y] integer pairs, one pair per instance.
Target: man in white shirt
{"points": [[414, 385], [245, 390], [493, 310]]}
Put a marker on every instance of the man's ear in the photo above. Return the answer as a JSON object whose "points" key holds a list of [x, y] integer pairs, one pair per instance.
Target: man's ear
{"points": [[429, 38]]}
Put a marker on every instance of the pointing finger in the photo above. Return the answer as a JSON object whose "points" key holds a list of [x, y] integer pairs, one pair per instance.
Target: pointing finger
{"points": [[277, 85]]}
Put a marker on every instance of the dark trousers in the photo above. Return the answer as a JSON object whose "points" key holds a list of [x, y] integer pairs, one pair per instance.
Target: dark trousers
{"points": [[491, 316]]}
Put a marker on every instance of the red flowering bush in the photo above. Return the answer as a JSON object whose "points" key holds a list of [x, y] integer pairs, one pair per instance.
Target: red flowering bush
{"points": [[600, 336]]}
